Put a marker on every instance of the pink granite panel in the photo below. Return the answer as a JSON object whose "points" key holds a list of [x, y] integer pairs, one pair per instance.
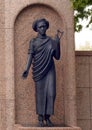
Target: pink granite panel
{"points": [[91, 124], [90, 73], [2, 64], [82, 71], [2, 114], [91, 103], [83, 103], [84, 124], [2, 18]]}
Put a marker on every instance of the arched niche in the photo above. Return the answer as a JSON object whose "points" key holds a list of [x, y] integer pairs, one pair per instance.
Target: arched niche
{"points": [[25, 111]]}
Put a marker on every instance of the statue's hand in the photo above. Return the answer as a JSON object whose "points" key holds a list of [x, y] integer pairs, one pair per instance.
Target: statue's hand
{"points": [[59, 34], [25, 74], [57, 39]]}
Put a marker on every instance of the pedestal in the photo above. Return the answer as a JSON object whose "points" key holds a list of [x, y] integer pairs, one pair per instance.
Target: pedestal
{"points": [[19, 127]]}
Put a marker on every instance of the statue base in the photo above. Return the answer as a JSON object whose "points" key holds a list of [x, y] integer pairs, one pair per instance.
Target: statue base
{"points": [[20, 127]]}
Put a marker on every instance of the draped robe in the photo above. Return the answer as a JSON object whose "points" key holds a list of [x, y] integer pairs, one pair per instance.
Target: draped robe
{"points": [[44, 75]]}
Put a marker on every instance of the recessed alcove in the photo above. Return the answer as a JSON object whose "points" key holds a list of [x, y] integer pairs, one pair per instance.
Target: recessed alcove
{"points": [[25, 112]]}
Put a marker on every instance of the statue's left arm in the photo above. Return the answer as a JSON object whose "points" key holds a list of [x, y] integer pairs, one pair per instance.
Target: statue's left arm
{"points": [[57, 48], [57, 44], [29, 60]]}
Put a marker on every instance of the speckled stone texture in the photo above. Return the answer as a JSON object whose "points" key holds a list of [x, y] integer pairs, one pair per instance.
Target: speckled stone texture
{"points": [[17, 96], [19, 127], [56, 128], [84, 89]]}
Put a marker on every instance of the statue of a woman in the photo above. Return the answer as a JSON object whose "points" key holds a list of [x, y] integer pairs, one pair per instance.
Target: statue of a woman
{"points": [[41, 51]]}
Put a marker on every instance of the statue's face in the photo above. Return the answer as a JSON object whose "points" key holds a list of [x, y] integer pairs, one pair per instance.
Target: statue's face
{"points": [[41, 27]]}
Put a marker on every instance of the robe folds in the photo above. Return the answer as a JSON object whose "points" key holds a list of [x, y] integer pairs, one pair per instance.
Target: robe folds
{"points": [[44, 75]]}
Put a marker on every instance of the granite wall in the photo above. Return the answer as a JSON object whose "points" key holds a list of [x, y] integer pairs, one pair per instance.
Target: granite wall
{"points": [[84, 89], [16, 104]]}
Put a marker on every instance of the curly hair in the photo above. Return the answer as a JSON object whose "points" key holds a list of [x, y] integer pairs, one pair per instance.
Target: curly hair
{"points": [[34, 25]]}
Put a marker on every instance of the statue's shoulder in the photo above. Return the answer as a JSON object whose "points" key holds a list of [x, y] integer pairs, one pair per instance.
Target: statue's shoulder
{"points": [[51, 39], [31, 43], [32, 40]]}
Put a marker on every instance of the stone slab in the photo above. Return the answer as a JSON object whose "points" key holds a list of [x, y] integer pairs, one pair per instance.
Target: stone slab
{"points": [[84, 124], [91, 124], [90, 103], [90, 73], [83, 104], [82, 72], [19, 127]]}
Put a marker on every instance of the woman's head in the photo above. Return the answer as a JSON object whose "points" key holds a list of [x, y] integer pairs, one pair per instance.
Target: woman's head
{"points": [[40, 25]]}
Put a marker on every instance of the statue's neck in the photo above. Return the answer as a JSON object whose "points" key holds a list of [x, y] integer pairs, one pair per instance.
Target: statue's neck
{"points": [[42, 36]]}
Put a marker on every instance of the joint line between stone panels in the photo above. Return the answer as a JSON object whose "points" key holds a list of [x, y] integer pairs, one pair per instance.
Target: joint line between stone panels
{"points": [[89, 93], [64, 106], [63, 97], [83, 119], [6, 28], [2, 28], [82, 87]]}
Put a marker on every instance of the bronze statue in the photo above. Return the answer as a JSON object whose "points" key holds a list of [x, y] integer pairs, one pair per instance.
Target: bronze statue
{"points": [[41, 51]]}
